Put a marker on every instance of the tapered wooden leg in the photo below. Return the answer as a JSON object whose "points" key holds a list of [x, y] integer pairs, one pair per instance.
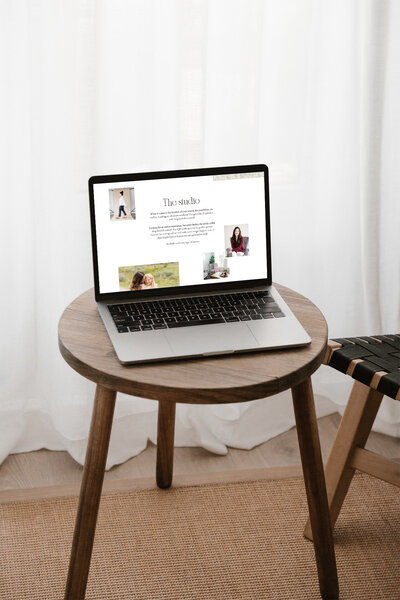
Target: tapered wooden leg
{"points": [[89, 499], [353, 432], [310, 451], [165, 443]]}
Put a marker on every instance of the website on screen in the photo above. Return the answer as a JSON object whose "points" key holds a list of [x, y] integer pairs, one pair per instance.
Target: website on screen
{"points": [[180, 231]]}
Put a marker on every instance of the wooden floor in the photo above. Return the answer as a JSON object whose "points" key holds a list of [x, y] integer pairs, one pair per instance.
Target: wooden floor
{"points": [[47, 468]]}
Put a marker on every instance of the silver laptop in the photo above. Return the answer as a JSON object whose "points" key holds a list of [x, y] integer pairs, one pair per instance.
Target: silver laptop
{"points": [[182, 264]]}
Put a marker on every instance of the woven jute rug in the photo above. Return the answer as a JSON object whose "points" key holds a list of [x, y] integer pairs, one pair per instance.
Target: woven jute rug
{"points": [[223, 541]]}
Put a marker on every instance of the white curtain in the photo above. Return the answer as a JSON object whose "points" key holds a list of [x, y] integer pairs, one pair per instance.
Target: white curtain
{"points": [[309, 87]]}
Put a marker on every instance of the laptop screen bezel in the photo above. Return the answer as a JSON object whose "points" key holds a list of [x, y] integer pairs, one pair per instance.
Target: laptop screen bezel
{"points": [[187, 289]]}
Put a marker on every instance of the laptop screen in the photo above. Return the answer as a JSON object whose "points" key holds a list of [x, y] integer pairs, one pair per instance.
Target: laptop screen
{"points": [[185, 229]]}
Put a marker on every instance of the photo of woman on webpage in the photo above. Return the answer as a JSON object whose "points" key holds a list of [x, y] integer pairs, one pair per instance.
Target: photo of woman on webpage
{"points": [[142, 281], [137, 281], [237, 243]]}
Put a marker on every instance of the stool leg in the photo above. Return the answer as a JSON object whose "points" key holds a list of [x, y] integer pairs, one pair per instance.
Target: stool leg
{"points": [[310, 451], [353, 432], [165, 443], [89, 499]]}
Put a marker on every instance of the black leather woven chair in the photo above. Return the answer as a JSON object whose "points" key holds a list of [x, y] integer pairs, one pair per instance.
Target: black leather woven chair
{"points": [[374, 363]]}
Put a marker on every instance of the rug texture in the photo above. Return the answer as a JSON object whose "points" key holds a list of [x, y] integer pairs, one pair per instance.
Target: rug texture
{"points": [[212, 542]]}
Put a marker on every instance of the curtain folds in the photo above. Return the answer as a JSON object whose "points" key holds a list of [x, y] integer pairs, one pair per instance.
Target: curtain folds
{"points": [[89, 87]]}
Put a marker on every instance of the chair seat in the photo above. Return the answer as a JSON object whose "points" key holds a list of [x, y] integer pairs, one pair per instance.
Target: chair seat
{"points": [[374, 361]]}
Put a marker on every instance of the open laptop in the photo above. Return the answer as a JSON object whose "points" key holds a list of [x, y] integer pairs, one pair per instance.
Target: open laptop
{"points": [[182, 264]]}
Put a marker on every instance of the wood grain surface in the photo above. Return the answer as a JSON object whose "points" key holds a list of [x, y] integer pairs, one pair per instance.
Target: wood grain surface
{"points": [[85, 345], [89, 499], [313, 471]]}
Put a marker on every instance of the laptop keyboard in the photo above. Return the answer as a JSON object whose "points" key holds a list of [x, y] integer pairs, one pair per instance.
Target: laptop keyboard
{"points": [[200, 310]]}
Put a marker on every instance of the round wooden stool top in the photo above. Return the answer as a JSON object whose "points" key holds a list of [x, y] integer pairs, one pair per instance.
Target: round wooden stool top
{"points": [[85, 345]]}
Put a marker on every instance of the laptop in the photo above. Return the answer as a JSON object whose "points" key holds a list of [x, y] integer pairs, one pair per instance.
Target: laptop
{"points": [[182, 264]]}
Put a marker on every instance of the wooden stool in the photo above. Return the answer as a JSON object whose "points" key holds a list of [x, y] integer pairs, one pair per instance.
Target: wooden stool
{"points": [[85, 345], [374, 362]]}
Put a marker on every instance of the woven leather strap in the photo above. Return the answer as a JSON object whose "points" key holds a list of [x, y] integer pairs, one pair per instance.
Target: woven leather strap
{"points": [[374, 361]]}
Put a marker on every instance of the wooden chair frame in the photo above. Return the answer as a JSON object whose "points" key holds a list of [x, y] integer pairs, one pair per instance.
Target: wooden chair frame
{"points": [[348, 453]]}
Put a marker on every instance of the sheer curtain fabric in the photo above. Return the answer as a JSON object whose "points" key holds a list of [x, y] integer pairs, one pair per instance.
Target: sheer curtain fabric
{"points": [[310, 88]]}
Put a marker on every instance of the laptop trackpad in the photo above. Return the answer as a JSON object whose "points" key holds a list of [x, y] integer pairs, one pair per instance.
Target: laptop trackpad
{"points": [[204, 339]]}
